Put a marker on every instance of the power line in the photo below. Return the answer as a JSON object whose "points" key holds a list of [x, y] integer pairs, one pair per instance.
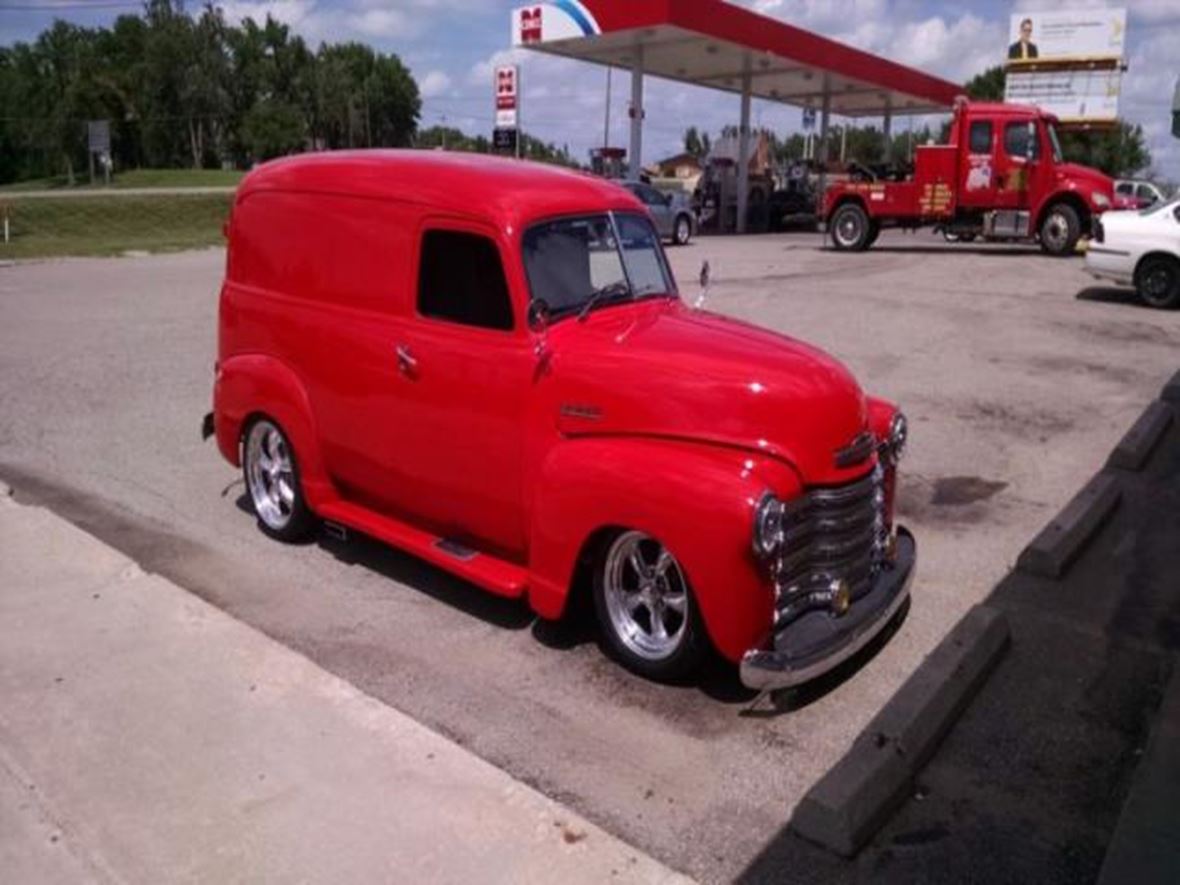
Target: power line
{"points": [[68, 5]]}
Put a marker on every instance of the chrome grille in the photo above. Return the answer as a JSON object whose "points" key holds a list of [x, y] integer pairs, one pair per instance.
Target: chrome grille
{"points": [[834, 533]]}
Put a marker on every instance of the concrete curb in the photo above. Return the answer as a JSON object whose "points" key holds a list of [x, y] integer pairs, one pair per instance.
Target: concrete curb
{"points": [[1134, 448], [1144, 848], [1051, 552], [843, 810], [1171, 391]]}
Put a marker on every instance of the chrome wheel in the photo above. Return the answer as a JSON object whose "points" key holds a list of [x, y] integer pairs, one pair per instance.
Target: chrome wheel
{"points": [[850, 228], [682, 231], [1056, 232], [646, 596], [270, 475]]}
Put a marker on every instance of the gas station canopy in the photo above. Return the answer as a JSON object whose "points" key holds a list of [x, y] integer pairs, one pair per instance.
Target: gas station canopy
{"points": [[722, 46]]}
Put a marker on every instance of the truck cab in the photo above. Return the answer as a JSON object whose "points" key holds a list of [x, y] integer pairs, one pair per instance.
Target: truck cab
{"points": [[1001, 176]]}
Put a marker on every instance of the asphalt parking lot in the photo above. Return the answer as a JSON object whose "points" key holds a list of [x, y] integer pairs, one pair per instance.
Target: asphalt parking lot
{"points": [[1018, 373]]}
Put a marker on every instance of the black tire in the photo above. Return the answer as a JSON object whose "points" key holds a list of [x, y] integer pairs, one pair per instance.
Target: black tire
{"points": [[287, 520], [850, 228], [874, 232], [1060, 230], [681, 230], [684, 657], [1157, 280]]}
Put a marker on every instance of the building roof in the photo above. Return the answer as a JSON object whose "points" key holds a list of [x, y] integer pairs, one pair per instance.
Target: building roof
{"points": [[712, 43]]}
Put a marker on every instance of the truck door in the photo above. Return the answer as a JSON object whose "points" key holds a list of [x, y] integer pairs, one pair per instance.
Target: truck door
{"points": [[978, 167], [465, 367], [1016, 160]]}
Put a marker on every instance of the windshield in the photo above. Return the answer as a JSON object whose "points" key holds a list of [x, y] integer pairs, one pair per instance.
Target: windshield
{"points": [[571, 260], [1057, 155]]}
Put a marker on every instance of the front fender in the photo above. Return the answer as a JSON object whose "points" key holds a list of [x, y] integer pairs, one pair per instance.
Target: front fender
{"points": [[251, 384], [698, 500]]}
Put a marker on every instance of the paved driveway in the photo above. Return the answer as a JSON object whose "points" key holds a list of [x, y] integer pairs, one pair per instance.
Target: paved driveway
{"points": [[1016, 388]]}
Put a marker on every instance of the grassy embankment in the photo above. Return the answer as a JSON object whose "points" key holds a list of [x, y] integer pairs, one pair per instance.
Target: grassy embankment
{"points": [[111, 224]]}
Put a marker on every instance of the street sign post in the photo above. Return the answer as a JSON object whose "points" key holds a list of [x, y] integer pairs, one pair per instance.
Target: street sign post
{"points": [[98, 143]]}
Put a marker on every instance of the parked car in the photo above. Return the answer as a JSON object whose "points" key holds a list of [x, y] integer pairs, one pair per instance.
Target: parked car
{"points": [[1147, 193], [1140, 249], [487, 363], [672, 212]]}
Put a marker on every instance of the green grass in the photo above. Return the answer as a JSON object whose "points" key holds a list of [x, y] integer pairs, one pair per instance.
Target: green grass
{"points": [[137, 178], [112, 225]]}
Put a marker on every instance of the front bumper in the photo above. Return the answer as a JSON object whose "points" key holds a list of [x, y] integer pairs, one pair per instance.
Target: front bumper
{"points": [[818, 641]]}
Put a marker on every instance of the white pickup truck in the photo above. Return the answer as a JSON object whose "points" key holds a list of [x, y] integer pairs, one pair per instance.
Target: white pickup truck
{"points": [[1140, 249]]}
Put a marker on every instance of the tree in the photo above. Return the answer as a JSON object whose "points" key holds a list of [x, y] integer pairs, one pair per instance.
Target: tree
{"points": [[988, 86], [1120, 152]]}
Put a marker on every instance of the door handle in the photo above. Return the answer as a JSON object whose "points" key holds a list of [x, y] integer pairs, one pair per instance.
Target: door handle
{"points": [[405, 360]]}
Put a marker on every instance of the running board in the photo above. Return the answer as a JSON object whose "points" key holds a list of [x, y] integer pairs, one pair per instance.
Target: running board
{"points": [[492, 574]]}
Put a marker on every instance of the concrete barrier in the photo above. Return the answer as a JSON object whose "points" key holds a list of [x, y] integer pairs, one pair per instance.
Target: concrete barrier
{"points": [[1134, 448], [1051, 552], [843, 810]]}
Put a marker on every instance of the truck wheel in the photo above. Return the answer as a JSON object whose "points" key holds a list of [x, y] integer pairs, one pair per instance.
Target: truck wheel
{"points": [[682, 230], [272, 479], [1157, 280], [1060, 230], [850, 228], [646, 610]]}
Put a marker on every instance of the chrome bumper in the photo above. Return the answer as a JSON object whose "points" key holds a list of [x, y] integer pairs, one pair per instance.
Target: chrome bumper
{"points": [[819, 642]]}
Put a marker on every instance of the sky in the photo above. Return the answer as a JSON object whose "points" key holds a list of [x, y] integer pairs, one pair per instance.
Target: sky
{"points": [[451, 47]]}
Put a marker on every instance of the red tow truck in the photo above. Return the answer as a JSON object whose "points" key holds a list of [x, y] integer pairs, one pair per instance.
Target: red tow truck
{"points": [[1000, 177]]}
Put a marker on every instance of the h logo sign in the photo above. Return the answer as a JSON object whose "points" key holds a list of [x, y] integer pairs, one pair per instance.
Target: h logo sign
{"points": [[530, 25]]}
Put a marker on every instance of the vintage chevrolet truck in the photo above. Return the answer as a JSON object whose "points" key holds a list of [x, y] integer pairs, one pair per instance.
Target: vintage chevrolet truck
{"points": [[487, 363]]}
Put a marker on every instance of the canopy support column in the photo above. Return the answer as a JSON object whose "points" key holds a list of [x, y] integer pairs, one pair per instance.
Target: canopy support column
{"points": [[743, 175], [824, 118], [887, 128], [635, 155]]}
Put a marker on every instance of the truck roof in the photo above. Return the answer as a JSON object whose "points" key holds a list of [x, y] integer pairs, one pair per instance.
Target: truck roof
{"points": [[503, 191], [1001, 108]]}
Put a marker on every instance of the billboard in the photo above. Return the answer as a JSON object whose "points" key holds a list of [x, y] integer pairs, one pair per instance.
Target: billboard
{"points": [[1074, 96], [1069, 63], [1083, 34]]}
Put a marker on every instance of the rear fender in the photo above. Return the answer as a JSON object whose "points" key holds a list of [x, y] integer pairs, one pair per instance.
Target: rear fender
{"points": [[255, 384], [697, 500]]}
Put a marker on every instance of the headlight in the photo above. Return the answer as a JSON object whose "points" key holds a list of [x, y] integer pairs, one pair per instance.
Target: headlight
{"points": [[899, 431], [768, 525], [1102, 201]]}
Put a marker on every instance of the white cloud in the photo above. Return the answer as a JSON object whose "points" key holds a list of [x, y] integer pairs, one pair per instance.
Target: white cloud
{"points": [[434, 83], [383, 22]]}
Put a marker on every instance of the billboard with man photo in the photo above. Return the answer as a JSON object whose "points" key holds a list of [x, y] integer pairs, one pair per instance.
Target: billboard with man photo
{"points": [[1078, 34]]}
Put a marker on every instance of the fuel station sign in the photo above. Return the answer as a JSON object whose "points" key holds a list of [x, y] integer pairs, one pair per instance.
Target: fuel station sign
{"points": [[506, 85]]}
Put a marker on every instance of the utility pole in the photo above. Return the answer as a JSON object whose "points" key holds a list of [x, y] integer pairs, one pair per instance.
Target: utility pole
{"points": [[606, 115]]}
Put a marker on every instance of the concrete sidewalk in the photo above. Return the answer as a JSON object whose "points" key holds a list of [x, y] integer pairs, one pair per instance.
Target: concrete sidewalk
{"points": [[146, 736]]}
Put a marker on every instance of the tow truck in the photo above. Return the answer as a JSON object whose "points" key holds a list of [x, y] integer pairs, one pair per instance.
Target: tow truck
{"points": [[1001, 176]]}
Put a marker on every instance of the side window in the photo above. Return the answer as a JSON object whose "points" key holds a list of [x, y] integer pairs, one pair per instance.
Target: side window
{"points": [[1146, 193], [981, 137], [651, 196], [1124, 188], [460, 279], [1018, 139]]}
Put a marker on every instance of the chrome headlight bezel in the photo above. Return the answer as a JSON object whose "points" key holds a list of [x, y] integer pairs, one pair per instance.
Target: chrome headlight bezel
{"points": [[899, 431], [1101, 200], [768, 526]]}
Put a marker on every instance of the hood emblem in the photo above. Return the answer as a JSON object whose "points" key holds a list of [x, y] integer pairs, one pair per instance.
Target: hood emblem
{"points": [[581, 411], [856, 451]]}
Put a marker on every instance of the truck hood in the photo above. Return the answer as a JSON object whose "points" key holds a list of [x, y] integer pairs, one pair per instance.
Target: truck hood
{"points": [[1086, 179], [660, 368]]}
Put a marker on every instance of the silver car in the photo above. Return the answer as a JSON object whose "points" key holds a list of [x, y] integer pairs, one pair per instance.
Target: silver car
{"points": [[672, 212]]}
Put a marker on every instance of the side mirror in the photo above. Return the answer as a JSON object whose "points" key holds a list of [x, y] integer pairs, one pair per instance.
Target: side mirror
{"points": [[704, 279], [538, 315], [1176, 213]]}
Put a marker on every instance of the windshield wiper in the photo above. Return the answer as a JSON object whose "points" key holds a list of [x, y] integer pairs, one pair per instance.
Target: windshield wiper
{"points": [[610, 290]]}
